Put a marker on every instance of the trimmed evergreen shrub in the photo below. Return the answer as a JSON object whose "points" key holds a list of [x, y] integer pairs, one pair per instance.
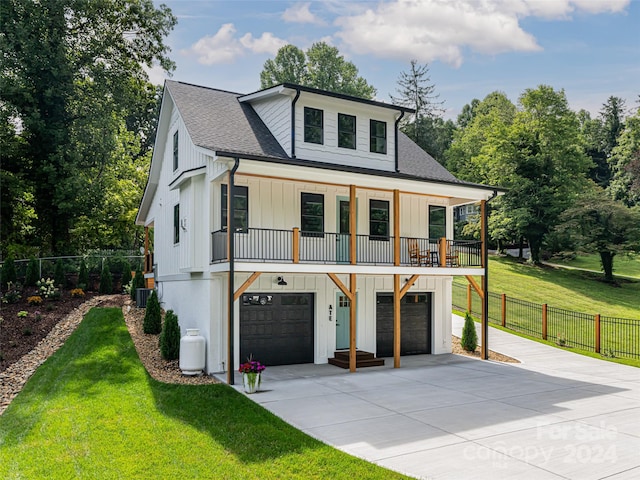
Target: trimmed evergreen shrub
{"points": [[8, 273], [83, 276], [106, 281], [152, 318], [126, 272], [170, 337], [58, 274], [469, 340], [33, 273], [138, 282]]}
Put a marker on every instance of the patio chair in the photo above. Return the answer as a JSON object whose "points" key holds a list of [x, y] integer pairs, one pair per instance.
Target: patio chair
{"points": [[416, 256]]}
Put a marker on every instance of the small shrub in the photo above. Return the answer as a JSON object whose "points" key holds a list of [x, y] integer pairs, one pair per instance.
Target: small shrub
{"points": [[83, 275], [33, 274], [37, 315], [13, 293], [138, 282], [106, 281], [152, 316], [469, 340], [23, 314], [26, 331], [170, 337], [77, 293], [58, 274], [34, 300], [47, 288], [126, 272], [8, 273]]}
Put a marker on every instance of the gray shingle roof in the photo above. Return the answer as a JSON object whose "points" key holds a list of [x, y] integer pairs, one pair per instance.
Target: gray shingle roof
{"points": [[217, 121]]}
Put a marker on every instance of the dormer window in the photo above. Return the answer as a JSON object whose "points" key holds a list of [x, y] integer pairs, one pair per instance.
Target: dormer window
{"points": [[378, 136], [313, 125], [346, 131], [175, 151]]}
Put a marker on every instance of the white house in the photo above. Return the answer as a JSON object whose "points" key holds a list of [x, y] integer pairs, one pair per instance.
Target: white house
{"points": [[341, 232]]}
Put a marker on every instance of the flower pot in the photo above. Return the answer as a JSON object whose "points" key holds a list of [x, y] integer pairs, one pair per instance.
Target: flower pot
{"points": [[251, 382]]}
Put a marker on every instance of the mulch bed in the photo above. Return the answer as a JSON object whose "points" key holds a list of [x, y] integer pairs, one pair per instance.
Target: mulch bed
{"points": [[18, 335]]}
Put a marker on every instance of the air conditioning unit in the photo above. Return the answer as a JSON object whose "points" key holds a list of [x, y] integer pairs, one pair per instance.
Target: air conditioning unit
{"points": [[142, 295]]}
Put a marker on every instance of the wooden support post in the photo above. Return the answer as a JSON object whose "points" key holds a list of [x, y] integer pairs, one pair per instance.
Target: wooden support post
{"points": [[503, 310], [352, 323], [544, 321], [246, 285], [396, 320], [597, 325], [469, 304], [443, 251], [296, 245], [396, 227], [352, 225]]}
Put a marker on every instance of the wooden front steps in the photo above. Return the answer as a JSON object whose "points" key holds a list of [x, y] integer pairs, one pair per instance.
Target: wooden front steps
{"points": [[363, 359]]}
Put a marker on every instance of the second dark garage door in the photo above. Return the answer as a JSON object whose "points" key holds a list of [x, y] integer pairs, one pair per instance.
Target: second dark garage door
{"points": [[277, 329], [415, 326]]}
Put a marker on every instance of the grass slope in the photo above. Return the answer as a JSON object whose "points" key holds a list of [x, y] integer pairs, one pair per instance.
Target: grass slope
{"points": [[92, 411], [568, 289], [622, 265]]}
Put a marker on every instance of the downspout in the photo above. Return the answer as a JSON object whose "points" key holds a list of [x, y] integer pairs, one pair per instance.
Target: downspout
{"points": [[396, 138], [231, 313], [485, 278], [293, 123]]}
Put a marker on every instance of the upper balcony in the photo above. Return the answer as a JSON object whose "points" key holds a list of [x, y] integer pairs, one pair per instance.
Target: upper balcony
{"points": [[296, 247]]}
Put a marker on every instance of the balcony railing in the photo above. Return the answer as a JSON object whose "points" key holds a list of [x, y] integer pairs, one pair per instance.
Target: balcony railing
{"points": [[294, 246]]}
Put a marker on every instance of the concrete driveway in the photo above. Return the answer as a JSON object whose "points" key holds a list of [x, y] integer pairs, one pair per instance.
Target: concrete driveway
{"points": [[555, 415]]}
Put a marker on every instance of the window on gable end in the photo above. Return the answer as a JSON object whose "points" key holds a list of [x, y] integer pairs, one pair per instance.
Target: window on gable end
{"points": [[346, 131], [175, 151], [378, 136], [313, 125]]}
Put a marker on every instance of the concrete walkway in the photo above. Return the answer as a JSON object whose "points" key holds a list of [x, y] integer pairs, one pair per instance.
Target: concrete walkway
{"points": [[556, 415]]}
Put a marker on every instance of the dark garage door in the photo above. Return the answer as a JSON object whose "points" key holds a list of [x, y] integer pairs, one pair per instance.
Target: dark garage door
{"points": [[277, 329], [415, 324]]}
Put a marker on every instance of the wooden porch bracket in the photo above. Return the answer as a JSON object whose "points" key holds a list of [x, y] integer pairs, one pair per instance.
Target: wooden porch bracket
{"points": [[409, 284], [475, 286], [341, 286], [247, 283]]}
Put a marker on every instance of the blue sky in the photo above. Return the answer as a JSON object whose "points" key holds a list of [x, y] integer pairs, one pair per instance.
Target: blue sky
{"points": [[589, 48]]}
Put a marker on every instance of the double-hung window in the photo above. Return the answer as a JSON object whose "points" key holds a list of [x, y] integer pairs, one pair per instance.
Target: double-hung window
{"points": [[240, 208], [378, 220], [346, 131], [378, 136], [175, 151], [437, 222], [312, 214], [313, 125]]}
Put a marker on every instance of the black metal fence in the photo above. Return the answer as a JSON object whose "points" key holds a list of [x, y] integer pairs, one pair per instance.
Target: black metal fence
{"points": [[609, 336]]}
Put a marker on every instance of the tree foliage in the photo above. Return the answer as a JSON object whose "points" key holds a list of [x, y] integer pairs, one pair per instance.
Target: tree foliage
{"points": [[625, 163], [321, 66], [595, 223], [71, 70]]}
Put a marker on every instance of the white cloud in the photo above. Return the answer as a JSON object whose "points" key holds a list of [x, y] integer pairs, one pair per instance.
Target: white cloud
{"points": [[157, 74], [300, 13], [267, 43], [225, 47], [431, 30]]}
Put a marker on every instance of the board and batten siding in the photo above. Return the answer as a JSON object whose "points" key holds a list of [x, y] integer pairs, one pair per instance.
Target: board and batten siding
{"points": [[276, 115], [329, 151]]}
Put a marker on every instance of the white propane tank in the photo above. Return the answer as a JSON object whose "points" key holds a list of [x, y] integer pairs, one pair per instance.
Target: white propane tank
{"points": [[192, 352]]}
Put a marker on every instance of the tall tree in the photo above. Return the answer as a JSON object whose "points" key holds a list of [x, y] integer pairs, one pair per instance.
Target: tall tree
{"points": [[597, 224], [322, 67], [624, 163], [425, 127], [69, 70], [541, 162]]}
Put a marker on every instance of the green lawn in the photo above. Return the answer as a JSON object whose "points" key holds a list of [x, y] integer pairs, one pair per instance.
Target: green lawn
{"points": [[562, 288], [622, 265], [565, 292], [92, 411]]}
